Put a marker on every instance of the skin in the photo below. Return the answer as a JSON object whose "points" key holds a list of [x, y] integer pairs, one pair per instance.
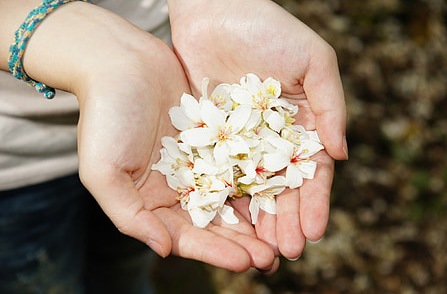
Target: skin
{"points": [[126, 80], [224, 40]]}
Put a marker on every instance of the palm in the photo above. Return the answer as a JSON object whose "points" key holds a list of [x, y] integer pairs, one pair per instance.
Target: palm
{"points": [[225, 41]]}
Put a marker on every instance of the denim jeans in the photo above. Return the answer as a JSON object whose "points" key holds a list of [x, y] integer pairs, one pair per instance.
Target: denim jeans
{"points": [[54, 239]]}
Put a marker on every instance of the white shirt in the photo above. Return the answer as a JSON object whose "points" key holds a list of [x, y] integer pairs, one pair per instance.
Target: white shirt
{"points": [[38, 136]]}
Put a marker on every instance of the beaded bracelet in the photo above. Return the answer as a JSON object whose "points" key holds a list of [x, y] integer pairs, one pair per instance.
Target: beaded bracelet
{"points": [[21, 38]]}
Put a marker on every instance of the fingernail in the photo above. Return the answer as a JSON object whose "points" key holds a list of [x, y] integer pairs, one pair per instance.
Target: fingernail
{"points": [[293, 259], [155, 246], [265, 269], [315, 242], [345, 147]]}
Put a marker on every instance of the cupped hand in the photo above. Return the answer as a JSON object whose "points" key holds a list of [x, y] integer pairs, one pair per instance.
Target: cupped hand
{"points": [[225, 40]]}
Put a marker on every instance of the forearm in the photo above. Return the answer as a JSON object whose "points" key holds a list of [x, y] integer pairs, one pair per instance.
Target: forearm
{"points": [[75, 42], [54, 50], [12, 14]]}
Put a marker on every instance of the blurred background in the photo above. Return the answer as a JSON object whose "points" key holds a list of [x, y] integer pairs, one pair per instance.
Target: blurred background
{"points": [[387, 231]]}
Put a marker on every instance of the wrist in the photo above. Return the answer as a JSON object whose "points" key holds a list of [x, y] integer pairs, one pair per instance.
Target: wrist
{"points": [[76, 41], [12, 14], [21, 38], [45, 54]]}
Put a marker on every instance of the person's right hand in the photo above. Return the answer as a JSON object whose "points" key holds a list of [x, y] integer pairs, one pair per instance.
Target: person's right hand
{"points": [[126, 81], [224, 41]]}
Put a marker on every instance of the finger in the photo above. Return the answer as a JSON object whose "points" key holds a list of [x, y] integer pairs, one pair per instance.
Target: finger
{"points": [[315, 198], [243, 233], [202, 245], [272, 269], [305, 116], [121, 201], [291, 240], [324, 91], [241, 204], [266, 230]]}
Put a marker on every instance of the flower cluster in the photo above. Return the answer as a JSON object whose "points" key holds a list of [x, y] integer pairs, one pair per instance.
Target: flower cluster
{"points": [[232, 144]]}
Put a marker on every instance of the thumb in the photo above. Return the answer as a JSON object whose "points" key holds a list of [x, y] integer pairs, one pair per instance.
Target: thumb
{"points": [[122, 203], [324, 91]]}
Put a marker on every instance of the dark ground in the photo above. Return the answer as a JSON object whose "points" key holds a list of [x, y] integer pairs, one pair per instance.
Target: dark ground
{"points": [[388, 225]]}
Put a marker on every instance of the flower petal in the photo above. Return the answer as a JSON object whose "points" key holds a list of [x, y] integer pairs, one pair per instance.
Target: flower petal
{"points": [[221, 153], [271, 87], [204, 87], [311, 146], [241, 95], [313, 135], [201, 217], [248, 167], [275, 120], [276, 161], [199, 137], [254, 120], [221, 97], [181, 180], [179, 119], [237, 145], [191, 107], [172, 147], [202, 167], [164, 166], [205, 152], [277, 181], [185, 148], [294, 179], [238, 118], [281, 144], [254, 209], [283, 103], [211, 115], [273, 186], [308, 169], [227, 214], [217, 186], [267, 204], [251, 82]]}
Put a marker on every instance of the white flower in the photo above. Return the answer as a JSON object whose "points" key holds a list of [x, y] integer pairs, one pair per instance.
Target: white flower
{"points": [[173, 158], [263, 97], [221, 95], [258, 90], [252, 168], [263, 196], [187, 115], [184, 184], [221, 131], [210, 200], [295, 158], [274, 119], [203, 209], [296, 134]]}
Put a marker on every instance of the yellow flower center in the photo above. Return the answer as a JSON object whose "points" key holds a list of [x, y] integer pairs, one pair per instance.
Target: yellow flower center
{"points": [[223, 133], [271, 90], [298, 158], [261, 102], [218, 100]]}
